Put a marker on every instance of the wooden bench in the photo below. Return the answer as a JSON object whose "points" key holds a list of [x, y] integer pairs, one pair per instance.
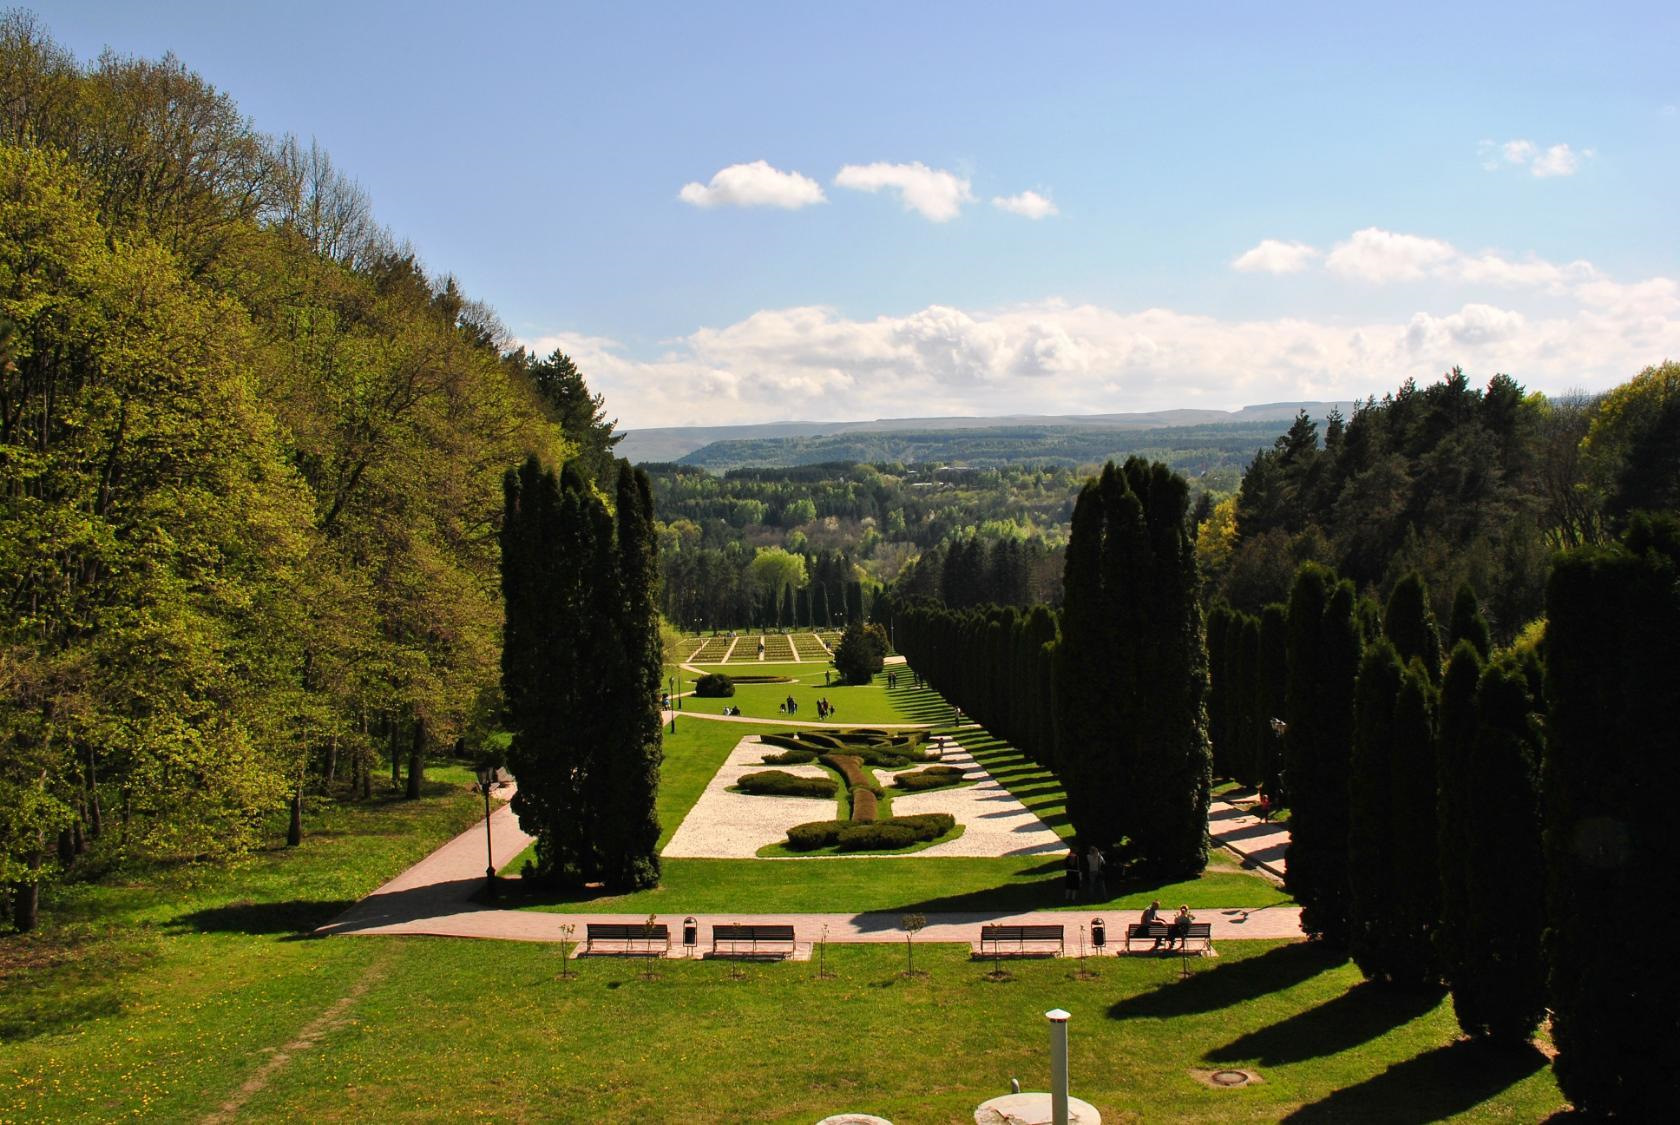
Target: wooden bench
{"points": [[1161, 932], [635, 939], [737, 940], [1014, 941]]}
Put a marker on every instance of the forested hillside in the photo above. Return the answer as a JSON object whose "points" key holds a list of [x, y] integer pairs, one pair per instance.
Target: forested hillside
{"points": [[250, 464]]}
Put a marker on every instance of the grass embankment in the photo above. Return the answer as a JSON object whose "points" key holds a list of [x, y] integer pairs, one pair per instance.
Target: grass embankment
{"points": [[158, 991], [854, 704]]}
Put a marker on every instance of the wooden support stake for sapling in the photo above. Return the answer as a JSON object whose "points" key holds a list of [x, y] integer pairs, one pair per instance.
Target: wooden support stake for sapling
{"points": [[566, 932], [911, 924]]}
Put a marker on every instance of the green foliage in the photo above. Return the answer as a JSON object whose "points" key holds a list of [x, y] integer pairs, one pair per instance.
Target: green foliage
{"points": [[790, 758], [814, 835], [933, 777], [861, 653], [1409, 624], [714, 685], [1373, 927], [866, 804], [1323, 661], [779, 783], [1468, 624], [879, 836], [851, 768], [1612, 660], [1630, 451], [1459, 804]]}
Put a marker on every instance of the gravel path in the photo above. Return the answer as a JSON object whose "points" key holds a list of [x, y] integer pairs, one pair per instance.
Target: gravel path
{"points": [[725, 825], [995, 822]]}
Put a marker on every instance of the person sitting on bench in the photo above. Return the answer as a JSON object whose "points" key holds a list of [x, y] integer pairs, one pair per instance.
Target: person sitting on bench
{"points": [[1180, 928], [1152, 917]]}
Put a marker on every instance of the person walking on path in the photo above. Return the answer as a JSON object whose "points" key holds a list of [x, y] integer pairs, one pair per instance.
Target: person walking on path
{"points": [[1094, 864], [1070, 892]]}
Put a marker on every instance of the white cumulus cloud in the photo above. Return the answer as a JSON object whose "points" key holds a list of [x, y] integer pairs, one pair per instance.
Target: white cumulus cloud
{"points": [[1275, 256], [758, 184], [1543, 163], [1028, 203], [1374, 254], [933, 193]]}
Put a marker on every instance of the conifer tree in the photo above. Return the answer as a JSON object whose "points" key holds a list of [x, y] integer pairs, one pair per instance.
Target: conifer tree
{"points": [[1458, 803], [1468, 624], [1088, 681], [1417, 869], [1612, 660], [1410, 626], [1324, 650], [1502, 979], [1219, 668], [1254, 733], [1373, 925], [1274, 665]]}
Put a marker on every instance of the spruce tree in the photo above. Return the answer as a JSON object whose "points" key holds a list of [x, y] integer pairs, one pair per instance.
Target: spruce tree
{"points": [[1324, 650], [1612, 662], [1458, 803], [1502, 978]]}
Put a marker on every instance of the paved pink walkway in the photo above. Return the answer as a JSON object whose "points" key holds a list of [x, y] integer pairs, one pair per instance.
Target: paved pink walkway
{"points": [[1260, 843]]}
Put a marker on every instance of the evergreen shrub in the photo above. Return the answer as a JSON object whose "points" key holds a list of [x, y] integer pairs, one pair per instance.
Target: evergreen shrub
{"points": [[790, 758], [815, 834], [778, 783], [714, 685], [883, 836], [865, 806], [850, 768], [931, 778]]}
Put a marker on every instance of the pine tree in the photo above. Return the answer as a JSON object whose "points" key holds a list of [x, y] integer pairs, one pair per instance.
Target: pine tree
{"points": [[1612, 661]]}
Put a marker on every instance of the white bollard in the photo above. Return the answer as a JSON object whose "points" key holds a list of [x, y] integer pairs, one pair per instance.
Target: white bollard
{"points": [[1058, 1065]]}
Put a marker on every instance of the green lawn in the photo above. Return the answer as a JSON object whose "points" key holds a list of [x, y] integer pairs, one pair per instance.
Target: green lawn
{"points": [[859, 704], [163, 992]]}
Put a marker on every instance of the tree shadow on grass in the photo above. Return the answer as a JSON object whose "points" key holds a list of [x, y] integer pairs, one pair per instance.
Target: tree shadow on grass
{"points": [[295, 918], [1231, 982], [1363, 1013], [1437, 1084]]}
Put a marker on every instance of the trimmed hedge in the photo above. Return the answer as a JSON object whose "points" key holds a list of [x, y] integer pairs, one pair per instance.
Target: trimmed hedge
{"points": [[764, 679], [714, 685], [815, 834], [865, 806], [790, 758], [882, 835], [850, 768], [933, 777], [777, 783]]}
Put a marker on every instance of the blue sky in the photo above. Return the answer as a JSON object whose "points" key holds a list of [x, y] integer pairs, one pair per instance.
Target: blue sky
{"points": [[1230, 203]]}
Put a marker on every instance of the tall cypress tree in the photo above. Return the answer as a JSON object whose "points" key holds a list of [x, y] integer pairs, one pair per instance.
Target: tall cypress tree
{"points": [[580, 674], [1612, 660], [1254, 733], [1324, 650], [1086, 683], [1411, 795], [1468, 624], [1219, 668], [1410, 626], [1274, 666], [1373, 837], [1458, 803], [787, 617], [1503, 980]]}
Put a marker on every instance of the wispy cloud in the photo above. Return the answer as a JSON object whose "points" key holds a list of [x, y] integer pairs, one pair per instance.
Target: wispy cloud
{"points": [[1028, 203], [1543, 163], [754, 185], [933, 193], [1275, 256]]}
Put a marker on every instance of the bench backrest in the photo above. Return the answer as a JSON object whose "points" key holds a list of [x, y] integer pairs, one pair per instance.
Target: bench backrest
{"points": [[1020, 933], [613, 931], [740, 932]]}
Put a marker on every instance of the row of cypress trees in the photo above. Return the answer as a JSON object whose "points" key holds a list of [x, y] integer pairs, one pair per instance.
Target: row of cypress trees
{"points": [[1247, 666], [1110, 693], [581, 671], [1493, 822]]}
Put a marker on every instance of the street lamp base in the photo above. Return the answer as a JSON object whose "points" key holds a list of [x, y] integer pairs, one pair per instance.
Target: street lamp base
{"points": [[490, 877]]}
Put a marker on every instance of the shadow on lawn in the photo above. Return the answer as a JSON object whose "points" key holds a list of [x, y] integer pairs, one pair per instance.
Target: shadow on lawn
{"points": [[297, 918], [1437, 1084], [1230, 983], [1363, 1013]]}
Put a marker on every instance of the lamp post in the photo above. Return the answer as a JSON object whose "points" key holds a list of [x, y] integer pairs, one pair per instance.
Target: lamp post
{"points": [[673, 705], [487, 778]]}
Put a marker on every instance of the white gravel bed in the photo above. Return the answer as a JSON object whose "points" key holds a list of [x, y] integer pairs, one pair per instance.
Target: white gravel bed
{"points": [[725, 825], [995, 822]]}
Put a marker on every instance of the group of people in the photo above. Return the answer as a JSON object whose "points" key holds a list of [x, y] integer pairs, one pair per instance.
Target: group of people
{"points": [[892, 679], [789, 706], [1177, 930], [1085, 871], [825, 709]]}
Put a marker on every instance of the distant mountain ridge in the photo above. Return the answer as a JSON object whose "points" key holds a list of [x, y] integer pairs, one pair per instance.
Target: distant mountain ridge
{"points": [[789, 442]]}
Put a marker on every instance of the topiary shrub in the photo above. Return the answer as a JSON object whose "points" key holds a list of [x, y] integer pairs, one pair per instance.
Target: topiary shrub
{"points": [[931, 778], [883, 836], [927, 826], [785, 741], [790, 758], [815, 834], [865, 806], [777, 783], [714, 685], [849, 767]]}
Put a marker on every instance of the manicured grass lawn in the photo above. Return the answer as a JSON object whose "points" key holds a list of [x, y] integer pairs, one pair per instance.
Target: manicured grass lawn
{"points": [[451, 1029], [859, 705]]}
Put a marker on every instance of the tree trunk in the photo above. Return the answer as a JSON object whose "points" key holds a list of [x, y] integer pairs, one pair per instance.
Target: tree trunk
{"points": [[294, 829], [95, 820], [66, 848], [416, 760], [26, 899], [396, 766], [332, 761]]}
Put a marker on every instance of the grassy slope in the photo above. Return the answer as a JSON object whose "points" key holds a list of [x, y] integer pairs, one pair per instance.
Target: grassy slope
{"points": [[859, 704]]}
